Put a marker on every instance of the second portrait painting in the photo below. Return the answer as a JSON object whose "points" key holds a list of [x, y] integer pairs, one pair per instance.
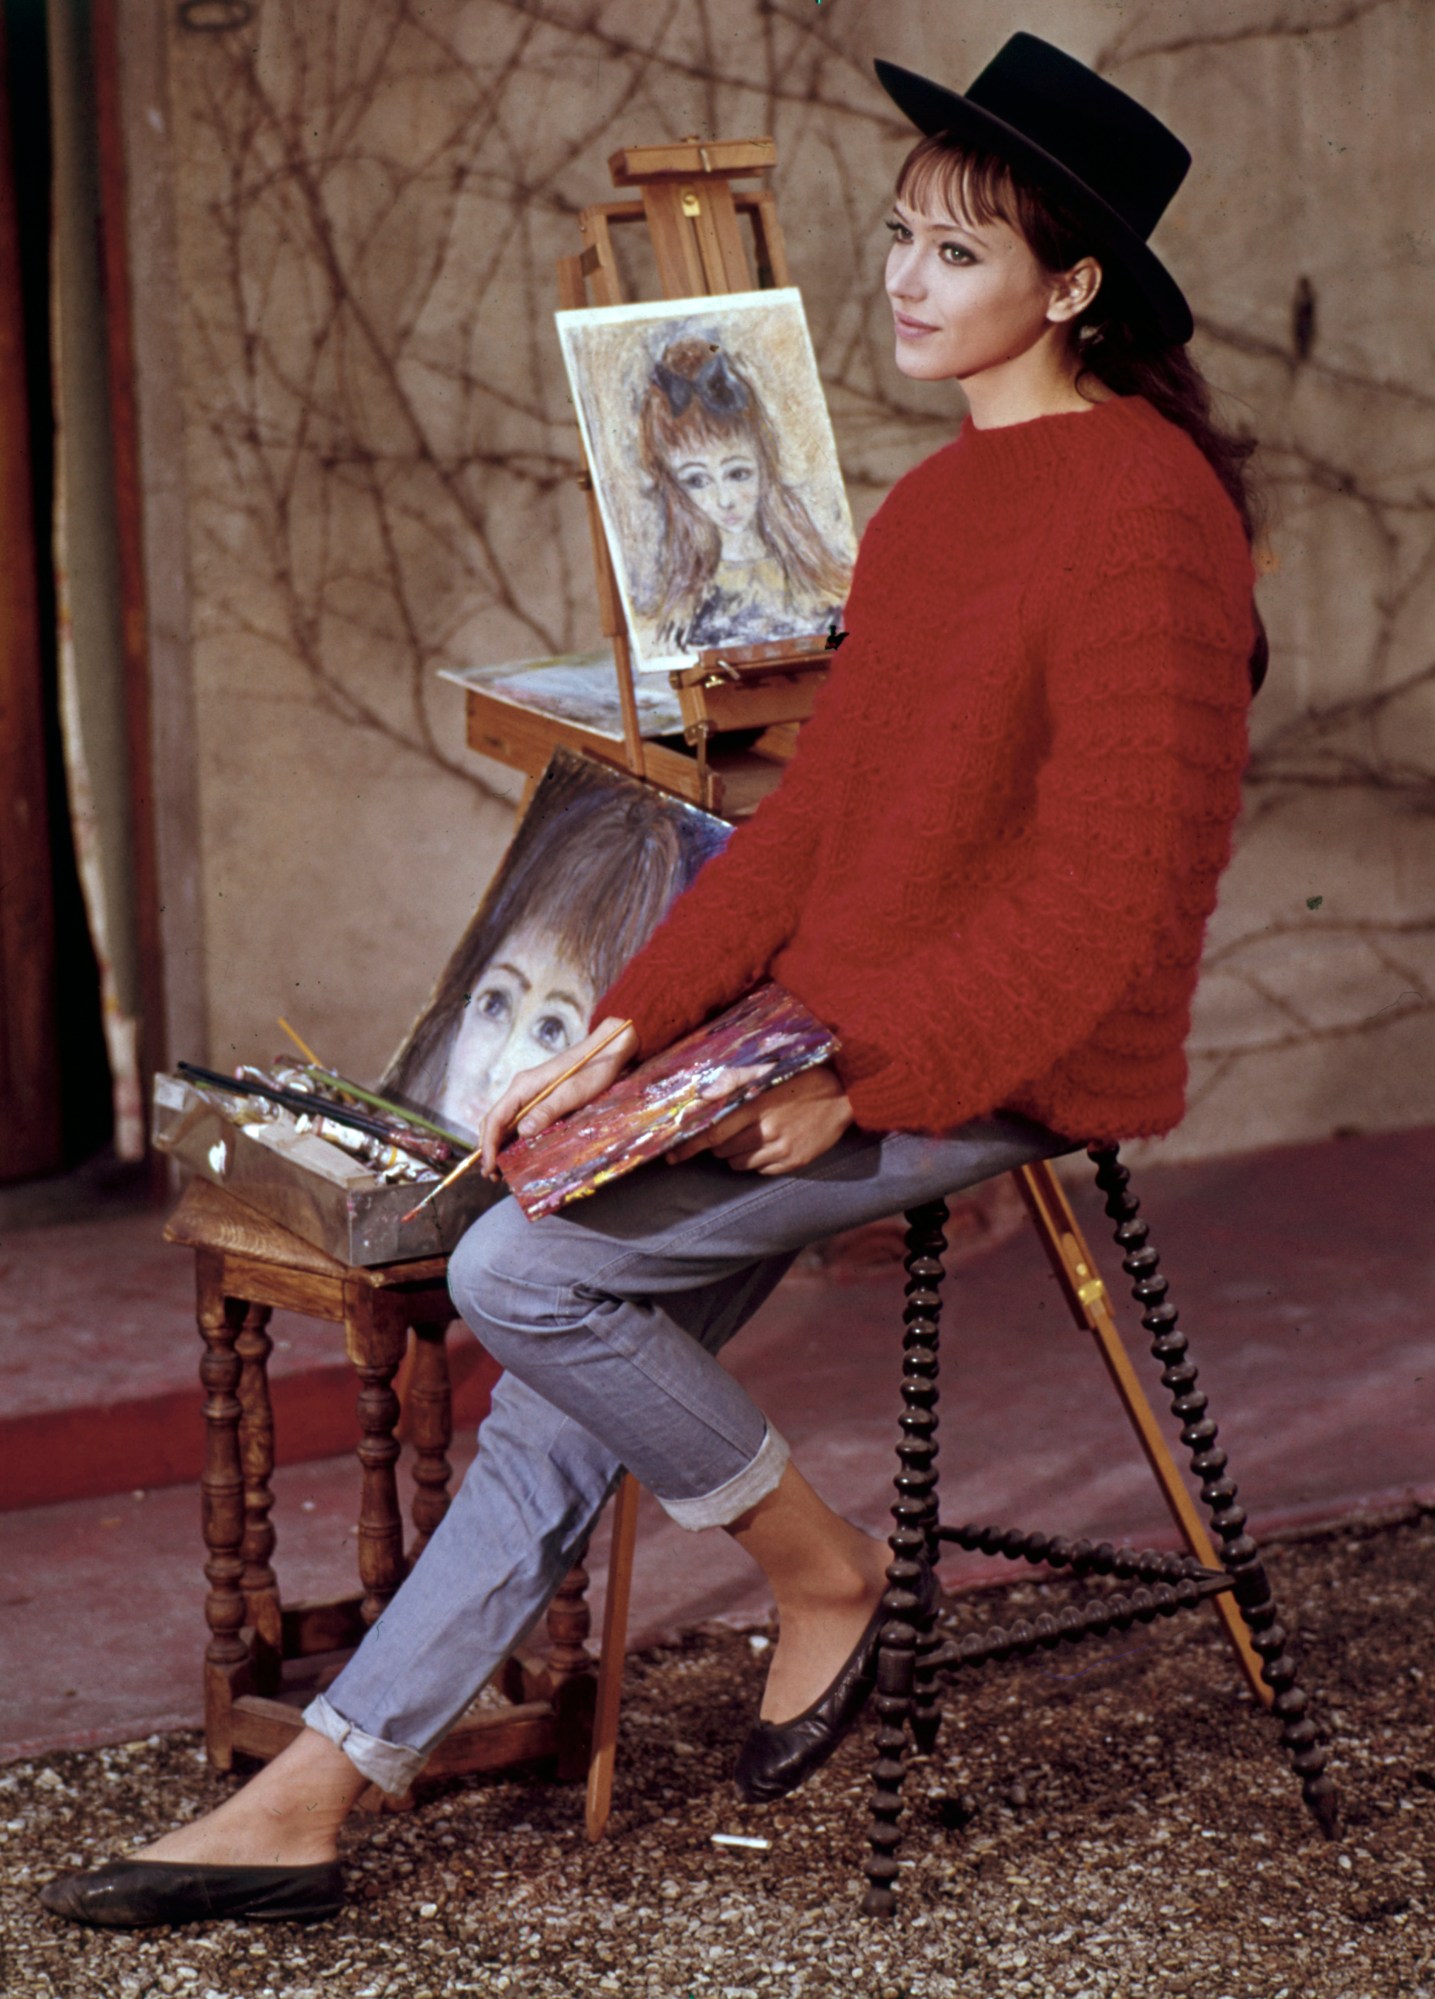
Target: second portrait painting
{"points": [[596, 862], [716, 471]]}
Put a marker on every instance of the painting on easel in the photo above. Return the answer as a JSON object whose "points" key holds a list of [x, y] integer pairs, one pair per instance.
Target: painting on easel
{"points": [[715, 468], [593, 867]]}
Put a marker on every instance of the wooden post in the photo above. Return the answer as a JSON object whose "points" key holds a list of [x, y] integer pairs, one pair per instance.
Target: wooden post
{"points": [[30, 1121], [129, 543]]}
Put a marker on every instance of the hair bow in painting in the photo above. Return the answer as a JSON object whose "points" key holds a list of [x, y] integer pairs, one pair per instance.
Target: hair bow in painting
{"points": [[715, 385]]}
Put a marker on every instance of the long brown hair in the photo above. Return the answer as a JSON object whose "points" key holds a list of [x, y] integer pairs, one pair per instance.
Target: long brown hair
{"points": [[690, 542], [1117, 340]]}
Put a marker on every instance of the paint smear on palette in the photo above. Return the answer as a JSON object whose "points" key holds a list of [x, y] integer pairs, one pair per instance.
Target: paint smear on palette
{"points": [[761, 1041]]}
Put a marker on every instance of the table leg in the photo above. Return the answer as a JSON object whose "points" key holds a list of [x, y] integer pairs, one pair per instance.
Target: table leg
{"points": [[222, 1517], [430, 1400], [376, 1338], [256, 1454], [570, 1671]]}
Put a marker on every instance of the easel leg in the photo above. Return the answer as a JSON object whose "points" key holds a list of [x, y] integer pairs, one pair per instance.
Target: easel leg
{"points": [[1240, 1556], [1086, 1294], [610, 1658]]}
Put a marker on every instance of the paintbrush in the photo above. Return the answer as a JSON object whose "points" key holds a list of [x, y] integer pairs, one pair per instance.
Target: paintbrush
{"points": [[543, 1095], [349, 1089], [304, 1049], [305, 1105], [400, 1111]]}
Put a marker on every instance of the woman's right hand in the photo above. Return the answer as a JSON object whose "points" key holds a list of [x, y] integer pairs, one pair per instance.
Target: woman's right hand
{"points": [[597, 1073]]}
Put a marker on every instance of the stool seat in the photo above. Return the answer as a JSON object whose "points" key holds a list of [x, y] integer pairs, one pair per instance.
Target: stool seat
{"points": [[265, 1656]]}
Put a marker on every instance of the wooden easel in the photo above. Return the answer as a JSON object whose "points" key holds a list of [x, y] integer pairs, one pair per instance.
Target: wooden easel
{"points": [[695, 225], [694, 216]]}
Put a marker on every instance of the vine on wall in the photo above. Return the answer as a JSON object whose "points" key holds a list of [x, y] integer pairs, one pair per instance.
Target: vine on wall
{"points": [[372, 196]]}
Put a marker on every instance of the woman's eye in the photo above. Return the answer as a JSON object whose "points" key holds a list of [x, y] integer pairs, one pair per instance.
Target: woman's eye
{"points": [[740, 474], [694, 482], [551, 1032], [955, 254], [900, 232], [492, 1003]]}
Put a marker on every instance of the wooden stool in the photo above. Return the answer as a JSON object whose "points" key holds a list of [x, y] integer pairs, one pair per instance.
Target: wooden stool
{"points": [[914, 1659], [245, 1266]]}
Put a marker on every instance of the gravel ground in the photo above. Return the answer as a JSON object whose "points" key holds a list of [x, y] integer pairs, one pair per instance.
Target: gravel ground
{"points": [[1112, 1821]]}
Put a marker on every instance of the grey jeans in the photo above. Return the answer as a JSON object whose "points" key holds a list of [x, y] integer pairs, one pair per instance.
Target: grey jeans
{"points": [[607, 1319]]}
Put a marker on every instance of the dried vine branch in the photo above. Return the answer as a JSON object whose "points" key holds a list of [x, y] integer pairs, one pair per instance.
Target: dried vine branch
{"points": [[374, 194]]}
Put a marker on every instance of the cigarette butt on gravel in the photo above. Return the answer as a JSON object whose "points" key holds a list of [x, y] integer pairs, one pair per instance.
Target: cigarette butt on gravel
{"points": [[740, 1839]]}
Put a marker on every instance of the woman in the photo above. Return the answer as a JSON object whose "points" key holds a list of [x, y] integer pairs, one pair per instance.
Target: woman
{"points": [[742, 559], [989, 867]]}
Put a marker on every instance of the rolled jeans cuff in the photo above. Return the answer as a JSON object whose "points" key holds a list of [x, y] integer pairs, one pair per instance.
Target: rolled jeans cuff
{"points": [[729, 1501], [390, 1765]]}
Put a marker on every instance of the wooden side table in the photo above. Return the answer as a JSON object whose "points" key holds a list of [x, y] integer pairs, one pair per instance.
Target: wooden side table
{"points": [[245, 1266]]}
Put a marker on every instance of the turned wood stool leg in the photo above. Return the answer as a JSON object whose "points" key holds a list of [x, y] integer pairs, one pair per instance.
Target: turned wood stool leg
{"points": [[1239, 1554], [376, 1335], [912, 1511], [926, 1241], [256, 1456], [222, 1516], [570, 1671], [430, 1404]]}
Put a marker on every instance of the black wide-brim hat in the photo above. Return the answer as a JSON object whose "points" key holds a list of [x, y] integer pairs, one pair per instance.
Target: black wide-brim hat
{"points": [[1060, 124]]}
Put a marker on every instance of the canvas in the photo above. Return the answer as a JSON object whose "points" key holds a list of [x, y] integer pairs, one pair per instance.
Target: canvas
{"points": [[593, 867], [715, 469]]}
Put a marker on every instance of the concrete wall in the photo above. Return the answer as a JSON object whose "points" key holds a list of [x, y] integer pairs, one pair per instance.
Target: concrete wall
{"points": [[368, 200]]}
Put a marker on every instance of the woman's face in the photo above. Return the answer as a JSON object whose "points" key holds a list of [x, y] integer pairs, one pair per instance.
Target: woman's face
{"points": [[529, 1003], [724, 482], [967, 298]]}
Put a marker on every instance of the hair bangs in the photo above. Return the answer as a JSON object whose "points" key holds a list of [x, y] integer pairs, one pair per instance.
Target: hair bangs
{"points": [[671, 435], [968, 183]]}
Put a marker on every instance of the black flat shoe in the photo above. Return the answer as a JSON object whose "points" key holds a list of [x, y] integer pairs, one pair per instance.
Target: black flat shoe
{"points": [[779, 1755], [136, 1894]]}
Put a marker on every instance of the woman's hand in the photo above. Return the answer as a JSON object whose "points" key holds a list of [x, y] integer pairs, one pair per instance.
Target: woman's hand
{"points": [[779, 1132], [589, 1082]]}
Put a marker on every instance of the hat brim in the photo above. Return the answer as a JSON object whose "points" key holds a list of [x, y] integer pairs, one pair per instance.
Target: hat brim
{"points": [[935, 110]]}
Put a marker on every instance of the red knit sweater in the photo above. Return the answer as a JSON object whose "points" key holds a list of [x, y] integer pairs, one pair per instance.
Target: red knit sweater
{"points": [[990, 863]]}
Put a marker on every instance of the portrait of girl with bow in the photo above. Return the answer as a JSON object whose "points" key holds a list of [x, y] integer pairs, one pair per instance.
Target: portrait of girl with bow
{"points": [[741, 559], [715, 468]]}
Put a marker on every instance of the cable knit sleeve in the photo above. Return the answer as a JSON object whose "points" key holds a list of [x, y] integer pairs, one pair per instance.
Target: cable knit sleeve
{"points": [[720, 937], [1145, 695]]}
